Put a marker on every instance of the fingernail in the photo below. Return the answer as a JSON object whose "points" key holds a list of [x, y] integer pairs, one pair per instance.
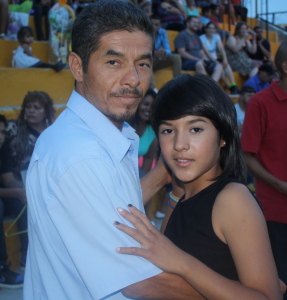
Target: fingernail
{"points": [[120, 209], [117, 223], [118, 249], [130, 205]]}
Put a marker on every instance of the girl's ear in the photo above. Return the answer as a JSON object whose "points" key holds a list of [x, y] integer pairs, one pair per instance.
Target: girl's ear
{"points": [[75, 64], [284, 67], [223, 143]]}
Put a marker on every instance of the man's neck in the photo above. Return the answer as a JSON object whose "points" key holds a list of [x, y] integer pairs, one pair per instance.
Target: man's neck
{"points": [[190, 31]]}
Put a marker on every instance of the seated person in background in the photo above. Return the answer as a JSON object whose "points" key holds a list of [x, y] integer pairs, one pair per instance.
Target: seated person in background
{"points": [[172, 15], [23, 56], [236, 50], [262, 79], [189, 47], [211, 43], [205, 15], [41, 9], [12, 200], [37, 113], [263, 46], [148, 141], [162, 54], [190, 8], [215, 13], [245, 94]]}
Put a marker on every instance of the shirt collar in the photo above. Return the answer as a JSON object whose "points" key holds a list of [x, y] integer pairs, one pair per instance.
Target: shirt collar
{"points": [[118, 142], [280, 94]]}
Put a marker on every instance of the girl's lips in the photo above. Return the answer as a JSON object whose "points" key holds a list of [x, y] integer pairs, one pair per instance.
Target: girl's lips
{"points": [[183, 162]]}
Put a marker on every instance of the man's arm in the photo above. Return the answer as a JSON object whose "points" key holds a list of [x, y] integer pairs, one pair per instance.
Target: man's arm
{"points": [[257, 170], [185, 55], [164, 286]]}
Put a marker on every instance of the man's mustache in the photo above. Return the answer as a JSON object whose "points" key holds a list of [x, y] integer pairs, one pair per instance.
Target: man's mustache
{"points": [[126, 91]]}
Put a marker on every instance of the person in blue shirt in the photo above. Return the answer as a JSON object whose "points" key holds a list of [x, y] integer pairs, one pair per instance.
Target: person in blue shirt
{"points": [[163, 57], [262, 79]]}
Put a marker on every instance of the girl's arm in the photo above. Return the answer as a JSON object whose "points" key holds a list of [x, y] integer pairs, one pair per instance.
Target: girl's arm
{"points": [[243, 228], [233, 45], [27, 49], [222, 52], [150, 156], [207, 53]]}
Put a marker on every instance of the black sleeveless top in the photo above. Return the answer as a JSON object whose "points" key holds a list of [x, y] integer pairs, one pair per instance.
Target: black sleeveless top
{"points": [[190, 228]]}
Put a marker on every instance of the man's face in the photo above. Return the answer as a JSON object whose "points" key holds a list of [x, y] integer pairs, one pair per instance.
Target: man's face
{"points": [[264, 76], [119, 74], [193, 24], [259, 33], [245, 97], [156, 24], [2, 133]]}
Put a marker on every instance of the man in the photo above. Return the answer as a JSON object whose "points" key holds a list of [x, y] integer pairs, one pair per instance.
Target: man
{"points": [[264, 144], [245, 94], [189, 47], [205, 15], [85, 166], [162, 54], [262, 79], [263, 46], [12, 200]]}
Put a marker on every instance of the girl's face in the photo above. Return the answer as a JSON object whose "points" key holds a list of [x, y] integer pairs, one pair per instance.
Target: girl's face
{"points": [[145, 108], [191, 148], [210, 29], [243, 30], [35, 113], [28, 38]]}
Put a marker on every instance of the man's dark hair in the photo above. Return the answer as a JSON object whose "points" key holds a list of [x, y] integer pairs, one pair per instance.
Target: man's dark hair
{"points": [[23, 31], [213, 7], [247, 89], [200, 95], [190, 18], [3, 120], [101, 18], [256, 27]]}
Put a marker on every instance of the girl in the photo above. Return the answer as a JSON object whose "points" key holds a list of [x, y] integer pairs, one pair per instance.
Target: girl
{"points": [[148, 141], [216, 237], [212, 44]]}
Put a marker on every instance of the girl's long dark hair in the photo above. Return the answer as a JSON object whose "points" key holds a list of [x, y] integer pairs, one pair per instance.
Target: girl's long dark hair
{"points": [[199, 95]]}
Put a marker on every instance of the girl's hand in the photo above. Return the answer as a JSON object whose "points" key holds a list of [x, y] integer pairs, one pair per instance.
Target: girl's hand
{"points": [[155, 247]]}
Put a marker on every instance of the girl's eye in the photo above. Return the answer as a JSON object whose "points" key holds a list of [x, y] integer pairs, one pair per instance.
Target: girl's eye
{"points": [[166, 131], [196, 130]]}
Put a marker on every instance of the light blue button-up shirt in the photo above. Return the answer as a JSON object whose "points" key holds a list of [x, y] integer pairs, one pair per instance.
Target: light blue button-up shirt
{"points": [[83, 168]]}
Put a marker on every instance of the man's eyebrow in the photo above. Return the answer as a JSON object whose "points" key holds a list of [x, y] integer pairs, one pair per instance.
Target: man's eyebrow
{"points": [[116, 53], [190, 122]]}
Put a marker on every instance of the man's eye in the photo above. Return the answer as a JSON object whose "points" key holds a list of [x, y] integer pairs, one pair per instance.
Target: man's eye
{"points": [[145, 65], [112, 62]]}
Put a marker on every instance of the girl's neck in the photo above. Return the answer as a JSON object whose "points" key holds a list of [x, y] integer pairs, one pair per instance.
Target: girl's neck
{"points": [[209, 36]]}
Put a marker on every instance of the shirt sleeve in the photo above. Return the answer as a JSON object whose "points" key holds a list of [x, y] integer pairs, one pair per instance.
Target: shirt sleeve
{"points": [[83, 208], [253, 126]]}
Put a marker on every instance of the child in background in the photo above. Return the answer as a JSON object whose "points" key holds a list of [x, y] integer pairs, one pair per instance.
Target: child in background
{"points": [[216, 236], [23, 56]]}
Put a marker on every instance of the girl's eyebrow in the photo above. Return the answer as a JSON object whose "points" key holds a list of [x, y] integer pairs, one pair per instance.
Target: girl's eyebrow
{"points": [[190, 122]]}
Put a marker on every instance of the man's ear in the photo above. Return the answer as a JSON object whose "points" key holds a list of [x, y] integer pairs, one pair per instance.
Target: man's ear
{"points": [[75, 64]]}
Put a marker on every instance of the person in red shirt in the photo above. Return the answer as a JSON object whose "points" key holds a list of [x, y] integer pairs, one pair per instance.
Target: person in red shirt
{"points": [[264, 143]]}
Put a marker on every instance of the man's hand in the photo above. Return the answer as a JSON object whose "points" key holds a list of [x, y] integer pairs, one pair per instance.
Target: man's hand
{"points": [[160, 54]]}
